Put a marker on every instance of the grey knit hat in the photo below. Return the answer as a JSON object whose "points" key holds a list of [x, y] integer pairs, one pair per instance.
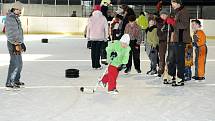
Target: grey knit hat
{"points": [[164, 11], [17, 5], [177, 1]]}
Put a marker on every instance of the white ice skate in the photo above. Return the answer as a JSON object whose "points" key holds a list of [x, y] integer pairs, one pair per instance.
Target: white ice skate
{"points": [[113, 92]]}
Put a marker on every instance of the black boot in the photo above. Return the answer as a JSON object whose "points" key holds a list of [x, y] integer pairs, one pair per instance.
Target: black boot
{"points": [[198, 78], [138, 70], [20, 83], [12, 85], [127, 70]]}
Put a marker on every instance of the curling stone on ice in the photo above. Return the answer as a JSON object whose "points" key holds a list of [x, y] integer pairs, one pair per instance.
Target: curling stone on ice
{"points": [[44, 40], [72, 73]]}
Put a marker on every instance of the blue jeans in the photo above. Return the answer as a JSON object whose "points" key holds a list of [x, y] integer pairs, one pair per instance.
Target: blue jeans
{"points": [[15, 66], [187, 73]]}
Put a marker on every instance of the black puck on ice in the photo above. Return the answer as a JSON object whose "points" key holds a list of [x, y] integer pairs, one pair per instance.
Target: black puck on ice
{"points": [[82, 89], [44, 40], [72, 73]]}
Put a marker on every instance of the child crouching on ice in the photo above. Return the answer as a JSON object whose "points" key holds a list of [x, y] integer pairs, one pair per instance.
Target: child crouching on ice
{"points": [[117, 57]]}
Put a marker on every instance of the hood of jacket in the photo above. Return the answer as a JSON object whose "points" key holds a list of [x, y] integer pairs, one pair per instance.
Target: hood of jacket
{"points": [[97, 14], [11, 13], [150, 29]]}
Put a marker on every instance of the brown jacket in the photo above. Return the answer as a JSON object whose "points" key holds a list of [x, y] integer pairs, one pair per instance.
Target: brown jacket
{"points": [[182, 27], [161, 34]]}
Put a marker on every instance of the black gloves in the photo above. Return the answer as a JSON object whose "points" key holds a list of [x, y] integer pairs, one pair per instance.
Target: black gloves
{"points": [[153, 50], [171, 29], [113, 54], [195, 44], [164, 28], [17, 49], [23, 47], [122, 66], [195, 38]]}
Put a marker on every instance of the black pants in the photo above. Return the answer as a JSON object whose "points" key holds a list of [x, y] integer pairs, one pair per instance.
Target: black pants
{"points": [[171, 59], [89, 44], [176, 60], [103, 50], [95, 53], [135, 53]]}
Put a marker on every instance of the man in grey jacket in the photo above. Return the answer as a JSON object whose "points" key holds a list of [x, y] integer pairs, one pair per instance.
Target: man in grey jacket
{"points": [[16, 46]]}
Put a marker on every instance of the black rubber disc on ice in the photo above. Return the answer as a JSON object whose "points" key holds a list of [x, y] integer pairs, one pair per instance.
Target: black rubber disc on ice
{"points": [[44, 40], [82, 89], [72, 73]]}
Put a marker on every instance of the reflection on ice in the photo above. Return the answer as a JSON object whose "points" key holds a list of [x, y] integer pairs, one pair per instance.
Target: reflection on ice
{"points": [[5, 58]]}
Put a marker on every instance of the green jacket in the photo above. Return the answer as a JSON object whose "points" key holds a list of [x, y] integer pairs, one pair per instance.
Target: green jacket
{"points": [[142, 22], [122, 53], [152, 37]]}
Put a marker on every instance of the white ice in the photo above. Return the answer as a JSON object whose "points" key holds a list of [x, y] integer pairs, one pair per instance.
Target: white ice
{"points": [[49, 96]]}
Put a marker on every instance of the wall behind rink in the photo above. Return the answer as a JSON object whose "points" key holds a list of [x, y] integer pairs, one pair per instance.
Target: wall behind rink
{"points": [[52, 25], [76, 25], [208, 27], [46, 10]]}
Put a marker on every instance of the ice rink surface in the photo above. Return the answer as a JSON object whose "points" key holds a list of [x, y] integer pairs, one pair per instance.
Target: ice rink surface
{"points": [[49, 96]]}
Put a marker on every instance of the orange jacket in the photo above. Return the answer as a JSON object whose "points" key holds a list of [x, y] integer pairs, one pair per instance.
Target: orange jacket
{"points": [[201, 38]]}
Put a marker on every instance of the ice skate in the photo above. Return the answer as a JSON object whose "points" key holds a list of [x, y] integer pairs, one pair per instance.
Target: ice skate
{"points": [[127, 71], [12, 87], [178, 82], [21, 84], [153, 72], [101, 84], [113, 92], [148, 72], [169, 80]]}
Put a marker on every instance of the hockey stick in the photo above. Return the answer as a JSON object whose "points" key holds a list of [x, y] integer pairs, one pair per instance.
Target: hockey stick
{"points": [[165, 74], [91, 91]]}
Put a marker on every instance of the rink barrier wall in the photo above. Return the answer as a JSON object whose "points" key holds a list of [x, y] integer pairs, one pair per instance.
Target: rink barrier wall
{"points": [[52, 25], [46, 10], [208, 25], [76, 25]]}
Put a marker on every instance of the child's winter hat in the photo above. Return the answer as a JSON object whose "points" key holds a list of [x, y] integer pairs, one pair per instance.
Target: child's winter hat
{"points": [[119, 11], [164, 11], [125, 39], [177, 1], [151, 17], [17, 5], [97, 7]]}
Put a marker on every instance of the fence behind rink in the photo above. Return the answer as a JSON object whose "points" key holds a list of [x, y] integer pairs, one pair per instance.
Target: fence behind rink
{"points": [[55, 19]]}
